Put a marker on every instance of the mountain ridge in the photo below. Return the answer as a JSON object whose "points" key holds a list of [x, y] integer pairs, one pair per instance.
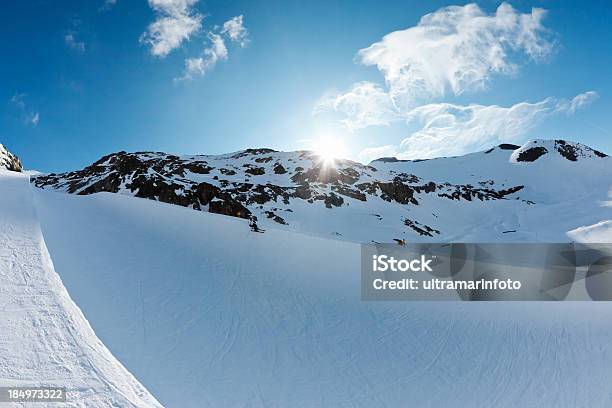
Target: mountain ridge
{"points": [[391, 198]]}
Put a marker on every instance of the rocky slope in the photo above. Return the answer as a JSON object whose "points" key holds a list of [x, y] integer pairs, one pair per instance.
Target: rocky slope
{"points": [[435, 199], [8, 160]]}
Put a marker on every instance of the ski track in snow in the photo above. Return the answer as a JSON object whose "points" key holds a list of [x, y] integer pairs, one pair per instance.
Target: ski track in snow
{"points": [[44, 338], [206, 313]]}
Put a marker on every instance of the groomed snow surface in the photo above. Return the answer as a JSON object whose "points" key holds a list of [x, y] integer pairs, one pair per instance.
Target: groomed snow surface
{"points": [[44, 338], [206, 313]]}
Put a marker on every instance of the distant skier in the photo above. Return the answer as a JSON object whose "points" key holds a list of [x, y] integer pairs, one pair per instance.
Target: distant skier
{"points": [[253, 224]]}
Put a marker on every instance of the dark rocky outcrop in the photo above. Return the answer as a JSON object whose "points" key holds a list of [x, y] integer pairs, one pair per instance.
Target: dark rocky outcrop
{"points": [[421, 229], [532, 154], [279, 169], [9, 161], [508, 146], [572, 151]]}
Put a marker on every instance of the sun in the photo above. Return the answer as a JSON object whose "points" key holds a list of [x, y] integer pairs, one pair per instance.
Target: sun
{"points": [[329, 149]]}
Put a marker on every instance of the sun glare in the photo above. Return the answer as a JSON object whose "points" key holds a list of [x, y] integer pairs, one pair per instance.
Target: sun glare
{"points": [[329, 149]]}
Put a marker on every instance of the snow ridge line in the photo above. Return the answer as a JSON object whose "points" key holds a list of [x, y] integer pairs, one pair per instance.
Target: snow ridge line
{"points": [[47, 340]]}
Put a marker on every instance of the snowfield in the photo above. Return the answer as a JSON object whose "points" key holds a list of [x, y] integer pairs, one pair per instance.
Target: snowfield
{"points": [[44, 338], [206, 313]]}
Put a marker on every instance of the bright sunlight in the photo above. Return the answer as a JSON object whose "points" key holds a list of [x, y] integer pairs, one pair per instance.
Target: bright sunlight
{"points": [[329, 148]]}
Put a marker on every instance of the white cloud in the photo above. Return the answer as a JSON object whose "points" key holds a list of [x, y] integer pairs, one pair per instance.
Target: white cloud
{"points": [[456, 49], [71, 42], [108, 4], [18, 100], [34, 119], [454, 129], [452, 50], [193, 66], [210, 56], [176, 22], [449, 130], [578, 102], [236, 31], [366, 104], [28, 117]]}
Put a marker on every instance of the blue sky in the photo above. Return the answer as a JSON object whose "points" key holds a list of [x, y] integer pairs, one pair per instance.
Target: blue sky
{"points": [[81, 79]]}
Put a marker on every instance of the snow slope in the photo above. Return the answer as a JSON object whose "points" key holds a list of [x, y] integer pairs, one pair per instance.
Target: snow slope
{"points": [[44, 338], [206, 313]]}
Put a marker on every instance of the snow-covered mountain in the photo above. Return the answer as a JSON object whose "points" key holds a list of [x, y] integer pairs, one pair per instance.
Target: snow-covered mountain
{"points": [[536, 192], [206, 313], [202, 311], [8, 160]]}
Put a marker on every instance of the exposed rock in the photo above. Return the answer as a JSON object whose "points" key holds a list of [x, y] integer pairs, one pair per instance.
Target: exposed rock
{"points": [[349, 192], [231, 208], [275, 218], [570, 151], [532, 154], [392, 159], [508, 146], [263, 159], [252, 152], [256, 171], [9, 161], [573, 151], [279, 169], [599, 154], [420, 228], [331, 200], [397, 191], [566, 150]]}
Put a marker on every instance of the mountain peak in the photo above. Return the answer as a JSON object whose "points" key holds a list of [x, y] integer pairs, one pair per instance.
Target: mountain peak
{"points": [[9, 161], [572, 151]]}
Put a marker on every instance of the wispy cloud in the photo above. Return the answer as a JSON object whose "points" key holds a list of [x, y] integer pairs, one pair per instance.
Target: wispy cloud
{"points": [[449, 129], [450, 51], [579, 101], [18, 100], [72, 43], [365, 104], [34, 118], [217, 51], [456, 49], [28, 116], [108, 4], [177, 21], [234, 30], [453, 129]]}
